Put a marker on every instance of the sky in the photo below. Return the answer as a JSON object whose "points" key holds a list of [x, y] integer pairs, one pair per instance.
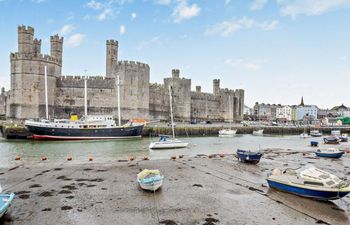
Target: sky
{"points": [[277, 50]]}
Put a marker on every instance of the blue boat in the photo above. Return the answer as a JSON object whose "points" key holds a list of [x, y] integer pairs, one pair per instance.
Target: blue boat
{"points": [[311, 183], [331, 140], [5, 203], [249, 156], [314, 143], [329, 153]]}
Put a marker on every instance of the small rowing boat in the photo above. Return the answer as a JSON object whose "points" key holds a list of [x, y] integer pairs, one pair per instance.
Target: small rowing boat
{"points": [[150, 180]]}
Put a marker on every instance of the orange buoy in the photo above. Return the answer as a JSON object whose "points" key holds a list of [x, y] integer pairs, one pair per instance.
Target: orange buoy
{"points": [[304, 154], [181, 156], [17, 157], [173, 157], [131, 158], [90, 158], [210, 156], [43, 158], [69, 158], [347, 151], [222, 155], [145, 158]]}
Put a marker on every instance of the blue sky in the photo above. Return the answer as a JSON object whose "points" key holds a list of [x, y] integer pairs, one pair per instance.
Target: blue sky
{"points": [[277, 50]]}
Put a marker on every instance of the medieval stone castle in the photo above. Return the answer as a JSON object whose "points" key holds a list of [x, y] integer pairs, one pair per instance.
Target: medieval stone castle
{"points": [[139, 97]]}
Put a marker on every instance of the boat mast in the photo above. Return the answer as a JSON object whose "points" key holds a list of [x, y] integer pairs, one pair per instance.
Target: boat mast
{"points": [[171, 112], [46, 98], [85, 95], [118, 92]]}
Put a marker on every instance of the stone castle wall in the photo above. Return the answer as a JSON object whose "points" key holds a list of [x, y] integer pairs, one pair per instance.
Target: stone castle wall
{"points": [[139, 98]]}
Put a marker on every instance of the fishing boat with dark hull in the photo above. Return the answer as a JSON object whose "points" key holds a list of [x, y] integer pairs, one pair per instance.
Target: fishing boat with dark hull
{"points": [[90, 127]]}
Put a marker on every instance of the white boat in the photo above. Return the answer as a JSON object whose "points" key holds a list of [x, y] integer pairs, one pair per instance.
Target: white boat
{"points": [[227, 132], [310, 182], [165, 142], [315, 133], [304, 135], [258, 132], [335, 133], [150, 180], [329, 153]]}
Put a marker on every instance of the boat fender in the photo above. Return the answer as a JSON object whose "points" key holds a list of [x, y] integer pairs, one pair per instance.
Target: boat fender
{"points": [[145, 158], [91, 158], [131, 158], [69, 158], [43, 158], [173, 157], [17, 157]]}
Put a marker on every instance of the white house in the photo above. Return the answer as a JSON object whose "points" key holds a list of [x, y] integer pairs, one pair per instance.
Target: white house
{"points": [[306, 110], [284, 112]]}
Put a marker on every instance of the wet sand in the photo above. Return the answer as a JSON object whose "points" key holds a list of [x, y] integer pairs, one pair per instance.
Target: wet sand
{"points": [[197, 190]]}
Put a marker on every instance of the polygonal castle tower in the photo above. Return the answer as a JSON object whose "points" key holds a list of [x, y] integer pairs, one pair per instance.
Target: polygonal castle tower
{"points": [[26, 98]]}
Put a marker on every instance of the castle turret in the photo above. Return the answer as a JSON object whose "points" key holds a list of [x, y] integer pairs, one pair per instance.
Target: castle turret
{"points": [[175, 73], [198, 88], [25, 39], [56, 47], [37, 47], [111, 57], [216, 86]]}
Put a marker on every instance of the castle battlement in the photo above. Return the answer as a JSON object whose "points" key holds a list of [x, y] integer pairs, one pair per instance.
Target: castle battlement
{"points": [[56, 38], [40, 57], [80, 77], [112, 42], [26, 29], [133, 64]]}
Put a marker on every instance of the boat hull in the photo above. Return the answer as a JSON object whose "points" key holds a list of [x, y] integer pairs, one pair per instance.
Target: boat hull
{"points": [[331, 141], [56, 133], [249, 157], [309, 193], [5, 203], [170, 145], [330, 155]]}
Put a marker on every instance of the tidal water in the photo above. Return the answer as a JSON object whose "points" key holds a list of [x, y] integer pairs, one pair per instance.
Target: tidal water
{"points": [[57, 152]]}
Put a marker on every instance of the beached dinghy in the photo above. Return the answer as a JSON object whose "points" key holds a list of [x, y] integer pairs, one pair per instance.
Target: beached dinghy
{"points": [[344, 138], [150, 180], [314, 143], [310, 182], [304, 135], [315, 133], [249, 156], [5, 202], [331, 140], [258, 132], [329, 153], [227, 132]]}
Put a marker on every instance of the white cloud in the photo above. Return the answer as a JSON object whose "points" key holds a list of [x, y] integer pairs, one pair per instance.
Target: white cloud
{"points": [[75, 40], [228, 28], [183, 11], [153, 41], [122, 30], [94, 5], [258, 4], [133, 16], [251, 66], [162, 2], [67, 29], [104, 14], [293, 8]]}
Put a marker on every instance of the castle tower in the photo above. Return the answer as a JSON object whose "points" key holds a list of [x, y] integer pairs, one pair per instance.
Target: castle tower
{"points": [[175, 73], [111, 57], [56, 48], [37, 47], [216, 86], [25, 39]]}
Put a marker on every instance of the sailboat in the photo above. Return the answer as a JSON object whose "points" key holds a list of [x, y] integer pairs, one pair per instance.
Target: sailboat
{"points": [[89, 127], [165, 142], [228, 132]]}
